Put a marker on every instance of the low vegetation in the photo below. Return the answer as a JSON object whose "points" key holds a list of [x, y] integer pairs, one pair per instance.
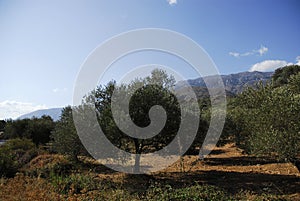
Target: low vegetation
{"points": [[14, 154]]}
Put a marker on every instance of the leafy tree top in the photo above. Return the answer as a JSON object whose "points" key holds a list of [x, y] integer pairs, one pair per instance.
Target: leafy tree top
{"points": [[281, 75]]}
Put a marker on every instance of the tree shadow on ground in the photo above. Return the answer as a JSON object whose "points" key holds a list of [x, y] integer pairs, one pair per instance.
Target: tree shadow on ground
{"points": [[103, 169], [234, 182], [217, 152], [195, 152], [241, 161]]}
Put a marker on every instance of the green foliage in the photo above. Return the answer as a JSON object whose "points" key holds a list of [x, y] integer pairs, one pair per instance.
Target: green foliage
{"points": [[268, 119], [39, 129], [73, 184], [153, 90], [65, 138], [205, 108], [36, 129], [282, 75], [2, 125], [16, 129], [140, 104], [14, 154], [196, 192]]}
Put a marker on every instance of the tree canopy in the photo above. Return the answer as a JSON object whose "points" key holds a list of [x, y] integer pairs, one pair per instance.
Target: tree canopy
{"points": [[36, 129], [268, 117], [64, 136], [152, 90]]}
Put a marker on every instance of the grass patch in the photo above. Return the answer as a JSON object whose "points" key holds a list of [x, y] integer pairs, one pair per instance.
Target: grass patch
{"points": [[196, 192]]}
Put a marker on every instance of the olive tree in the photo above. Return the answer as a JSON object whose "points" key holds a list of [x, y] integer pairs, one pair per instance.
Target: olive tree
{"points": [[147, 95], [268, 119], [64, 136]]}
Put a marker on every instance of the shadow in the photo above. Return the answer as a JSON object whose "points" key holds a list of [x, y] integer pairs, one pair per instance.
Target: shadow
{"points": [[96, 168], [216, 152], [138, 183], [240, 161], [103, 169], [196, 152], [234, 182]]}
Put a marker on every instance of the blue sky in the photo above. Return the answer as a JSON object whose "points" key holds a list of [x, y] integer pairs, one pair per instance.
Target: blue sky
{"points": [[44, 43]]}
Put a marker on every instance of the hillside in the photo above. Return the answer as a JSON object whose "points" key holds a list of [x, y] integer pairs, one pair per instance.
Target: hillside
{"points": [[54, 113], [234, 83]]}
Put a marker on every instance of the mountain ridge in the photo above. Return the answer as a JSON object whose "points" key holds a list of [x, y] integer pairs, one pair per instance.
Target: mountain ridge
{"points": [[54, 113], [233, 83]]}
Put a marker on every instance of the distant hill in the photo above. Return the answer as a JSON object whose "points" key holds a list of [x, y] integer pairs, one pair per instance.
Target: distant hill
{"points": [[234, 83], [202, 92], [54, 113]]}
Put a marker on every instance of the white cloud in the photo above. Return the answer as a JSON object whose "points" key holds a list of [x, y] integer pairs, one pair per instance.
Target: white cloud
{"points": [[171, 2], [298, 60], [14, 109], [261, 51], [235, 54], [269, 65], [58, 90]]}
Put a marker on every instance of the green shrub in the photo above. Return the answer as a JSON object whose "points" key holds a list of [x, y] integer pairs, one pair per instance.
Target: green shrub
{"points": [[14, 154], [74, 183]]}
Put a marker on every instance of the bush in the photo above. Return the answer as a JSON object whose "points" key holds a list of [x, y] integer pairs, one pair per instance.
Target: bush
{"points": [[14, 154], [73, 184], [268, 120]]}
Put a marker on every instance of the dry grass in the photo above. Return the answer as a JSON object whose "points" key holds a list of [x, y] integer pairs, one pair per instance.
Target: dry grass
{"points": [[25, 188], [227, 174]]}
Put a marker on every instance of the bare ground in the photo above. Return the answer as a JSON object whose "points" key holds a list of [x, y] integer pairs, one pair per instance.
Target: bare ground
{"points": [[226, 167]]}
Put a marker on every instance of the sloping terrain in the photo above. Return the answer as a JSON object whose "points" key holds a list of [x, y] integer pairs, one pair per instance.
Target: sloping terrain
{"points": [[234, 83]]}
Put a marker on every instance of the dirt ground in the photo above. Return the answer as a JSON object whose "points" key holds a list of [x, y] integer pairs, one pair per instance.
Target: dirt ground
{"points": [[228, 168]]}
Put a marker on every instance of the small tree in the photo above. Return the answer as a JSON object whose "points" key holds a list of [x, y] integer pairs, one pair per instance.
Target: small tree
{"points": [[39, 129], [65, 138]]}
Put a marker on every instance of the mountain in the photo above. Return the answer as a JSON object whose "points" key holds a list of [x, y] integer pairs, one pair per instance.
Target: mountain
{"points": [[234, 83], [201, 92], [54, 113]]}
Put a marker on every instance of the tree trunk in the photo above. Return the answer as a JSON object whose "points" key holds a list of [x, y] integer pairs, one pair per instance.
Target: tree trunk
{"points": [[137, 163], [138, 151]]}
